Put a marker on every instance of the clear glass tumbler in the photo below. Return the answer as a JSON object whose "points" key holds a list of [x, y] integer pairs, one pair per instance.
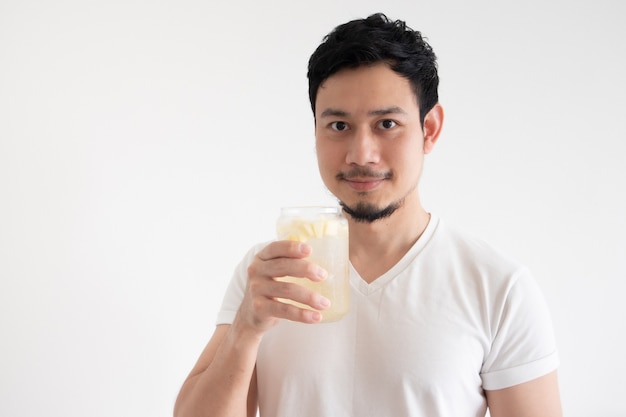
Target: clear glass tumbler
{"points": [[325, 229]]}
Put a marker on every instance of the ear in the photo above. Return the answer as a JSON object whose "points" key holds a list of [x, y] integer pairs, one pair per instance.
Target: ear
{"points": [[433, 122]]}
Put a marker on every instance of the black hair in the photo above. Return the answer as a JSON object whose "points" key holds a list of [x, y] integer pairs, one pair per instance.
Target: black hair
{"points": [[372, 40]]}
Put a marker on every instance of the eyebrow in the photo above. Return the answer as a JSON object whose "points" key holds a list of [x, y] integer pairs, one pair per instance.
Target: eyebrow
{"points": [[330, 112]]}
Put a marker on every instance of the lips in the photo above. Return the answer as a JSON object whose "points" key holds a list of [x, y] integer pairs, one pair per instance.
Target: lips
{"points": [[363, 179], [364, 184]]}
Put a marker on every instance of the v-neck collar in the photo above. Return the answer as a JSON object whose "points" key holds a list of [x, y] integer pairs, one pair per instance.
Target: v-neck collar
{"points": [[366, 289]]}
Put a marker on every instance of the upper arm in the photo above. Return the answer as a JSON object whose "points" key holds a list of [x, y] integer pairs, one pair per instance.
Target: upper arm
{"points": [[537, 398]]}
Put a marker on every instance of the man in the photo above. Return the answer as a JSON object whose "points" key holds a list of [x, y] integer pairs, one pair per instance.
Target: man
{"points": [[440, 323]]}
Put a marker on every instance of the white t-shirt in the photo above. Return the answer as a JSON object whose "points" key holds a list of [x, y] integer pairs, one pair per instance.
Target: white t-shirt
{"points": [[452, 318]]}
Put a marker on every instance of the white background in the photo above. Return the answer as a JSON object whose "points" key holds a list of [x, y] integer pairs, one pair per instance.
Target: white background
{"points": [[146, 145]]}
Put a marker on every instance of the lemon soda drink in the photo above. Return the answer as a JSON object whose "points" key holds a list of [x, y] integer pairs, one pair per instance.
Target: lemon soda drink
{"points": [[325, 229]]}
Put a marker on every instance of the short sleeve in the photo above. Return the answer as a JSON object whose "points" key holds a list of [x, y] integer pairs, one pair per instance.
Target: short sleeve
{"points": [[523, 347], [236, 288]]}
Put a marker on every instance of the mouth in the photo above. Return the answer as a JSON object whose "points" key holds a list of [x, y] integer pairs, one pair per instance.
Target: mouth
{"points": [[363, 179], [364, 184]]}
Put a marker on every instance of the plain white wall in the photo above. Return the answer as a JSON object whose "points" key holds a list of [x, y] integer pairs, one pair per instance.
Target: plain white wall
{"points": [[144, 146]]}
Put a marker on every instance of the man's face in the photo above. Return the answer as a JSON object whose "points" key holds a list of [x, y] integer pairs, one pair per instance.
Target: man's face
{"points": [[369, 140]]}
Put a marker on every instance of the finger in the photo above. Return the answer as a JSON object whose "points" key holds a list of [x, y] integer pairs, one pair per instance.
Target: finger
{"points": [[264, 306], [300, 268], [299, 294], [281, 267], [284, 249], [290, 312]]}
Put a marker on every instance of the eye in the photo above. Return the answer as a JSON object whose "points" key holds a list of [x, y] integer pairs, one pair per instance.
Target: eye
{"points": [[339, 126], [387, 124]]}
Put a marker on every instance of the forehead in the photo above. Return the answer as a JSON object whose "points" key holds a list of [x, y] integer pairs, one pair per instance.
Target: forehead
{"points": [[365, 88]]}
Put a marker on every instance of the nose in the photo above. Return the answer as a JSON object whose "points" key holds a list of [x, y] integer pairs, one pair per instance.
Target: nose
{"points": [[363, 148]]}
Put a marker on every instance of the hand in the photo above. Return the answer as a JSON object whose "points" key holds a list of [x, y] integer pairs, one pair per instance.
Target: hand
{"points": [[260, 308]]}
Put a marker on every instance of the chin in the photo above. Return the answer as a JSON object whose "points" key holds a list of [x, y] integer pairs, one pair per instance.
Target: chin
{"points": [[364, 212]]}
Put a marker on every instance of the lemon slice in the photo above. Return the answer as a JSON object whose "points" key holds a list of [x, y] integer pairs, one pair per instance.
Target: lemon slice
{"points": [[302, 230]]}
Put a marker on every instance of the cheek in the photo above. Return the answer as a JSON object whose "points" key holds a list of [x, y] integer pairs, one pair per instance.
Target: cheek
{"points": [[327, 156], [326, 165], [329, 163], [409, 162]]}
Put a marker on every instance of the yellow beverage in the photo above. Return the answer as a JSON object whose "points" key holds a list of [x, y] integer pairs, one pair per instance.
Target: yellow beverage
{"points": [[326, 231]]}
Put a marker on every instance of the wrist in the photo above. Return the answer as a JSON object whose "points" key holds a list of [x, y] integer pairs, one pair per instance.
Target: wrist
{"points": [[243, 334]]}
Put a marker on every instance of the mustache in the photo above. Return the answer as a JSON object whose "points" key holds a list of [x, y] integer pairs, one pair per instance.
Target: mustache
{"points": [[363, 172]]}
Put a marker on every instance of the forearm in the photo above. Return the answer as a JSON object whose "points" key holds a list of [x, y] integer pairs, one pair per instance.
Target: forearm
{"points": [[222, 381], [222, 387]]}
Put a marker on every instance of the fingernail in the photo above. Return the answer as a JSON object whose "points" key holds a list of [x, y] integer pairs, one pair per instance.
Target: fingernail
{"points": [[321, 273], [305, 249], [324, 302]]}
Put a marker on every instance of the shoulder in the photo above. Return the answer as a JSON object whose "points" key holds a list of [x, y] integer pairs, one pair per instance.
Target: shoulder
{"points": [[465, 249]]}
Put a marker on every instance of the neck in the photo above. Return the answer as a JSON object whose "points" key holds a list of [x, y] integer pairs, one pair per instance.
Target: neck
{"points": [[376, 247]]}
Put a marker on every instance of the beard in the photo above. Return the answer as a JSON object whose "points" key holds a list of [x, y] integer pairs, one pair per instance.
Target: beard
{"points": [[369, 213], [365, 212]]}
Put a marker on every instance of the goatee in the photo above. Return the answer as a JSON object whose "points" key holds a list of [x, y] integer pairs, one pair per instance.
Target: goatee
{"points": [[369, 213]]}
